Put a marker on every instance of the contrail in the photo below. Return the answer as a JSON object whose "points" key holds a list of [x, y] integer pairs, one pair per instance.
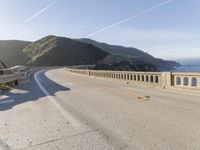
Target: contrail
{"points": [[41, 11], [129, 18]]}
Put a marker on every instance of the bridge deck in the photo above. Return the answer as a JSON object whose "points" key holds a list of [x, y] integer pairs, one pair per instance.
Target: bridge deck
{"points": [[94, 113]]}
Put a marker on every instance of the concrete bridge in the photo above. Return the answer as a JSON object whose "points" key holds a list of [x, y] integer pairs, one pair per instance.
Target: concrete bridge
{"points": [[72, 109], [169, 80]]}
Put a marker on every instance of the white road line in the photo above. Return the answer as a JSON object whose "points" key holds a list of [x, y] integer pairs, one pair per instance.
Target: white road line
{"points": [[7, 101], [64, 112]]}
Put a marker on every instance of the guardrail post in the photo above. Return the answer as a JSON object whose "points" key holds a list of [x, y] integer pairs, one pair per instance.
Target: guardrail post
{"points": [[166, 79]]}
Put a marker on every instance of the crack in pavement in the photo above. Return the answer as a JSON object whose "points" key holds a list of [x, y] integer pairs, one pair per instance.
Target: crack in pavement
{"points": [[58, 139]]}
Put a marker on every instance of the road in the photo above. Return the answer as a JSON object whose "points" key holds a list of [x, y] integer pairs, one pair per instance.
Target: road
{"points": [[61, 110]]}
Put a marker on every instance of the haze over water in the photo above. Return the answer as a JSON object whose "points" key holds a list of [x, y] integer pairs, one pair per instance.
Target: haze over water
{"points": [[189, 65], [188, 69]]}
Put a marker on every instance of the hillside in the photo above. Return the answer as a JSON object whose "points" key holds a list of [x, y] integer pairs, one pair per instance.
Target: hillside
{"points": [[11, 52], [132, 55], [61, 51]]}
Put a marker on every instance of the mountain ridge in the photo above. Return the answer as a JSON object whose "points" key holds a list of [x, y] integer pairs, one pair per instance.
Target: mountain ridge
{"points": [[133, 54], [11, 51], [53, 50]]}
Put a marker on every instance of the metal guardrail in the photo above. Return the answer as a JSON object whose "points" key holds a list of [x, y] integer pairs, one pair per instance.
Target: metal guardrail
{"points": [[11, 77], [20, 73]]}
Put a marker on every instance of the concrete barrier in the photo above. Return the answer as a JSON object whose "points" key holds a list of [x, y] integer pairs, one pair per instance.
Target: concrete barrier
{"points": [[14, 76], [187, 81]]}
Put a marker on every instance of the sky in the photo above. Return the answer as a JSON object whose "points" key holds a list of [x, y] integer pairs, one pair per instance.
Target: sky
{"points": [[165, 29]]}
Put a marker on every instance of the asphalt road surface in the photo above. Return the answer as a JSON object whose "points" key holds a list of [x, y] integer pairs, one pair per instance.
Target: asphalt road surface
{"points": [[61, 110]]}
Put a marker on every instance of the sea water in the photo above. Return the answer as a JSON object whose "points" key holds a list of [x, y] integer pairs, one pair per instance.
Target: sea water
{"points": [[187, 69]]}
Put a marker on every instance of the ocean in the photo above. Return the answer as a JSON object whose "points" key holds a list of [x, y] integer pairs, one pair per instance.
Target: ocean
{"points": [[187, 69]]}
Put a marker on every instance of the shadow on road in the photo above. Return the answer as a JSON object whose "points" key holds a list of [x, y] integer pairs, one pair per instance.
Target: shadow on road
{"points": [[30, 92]]}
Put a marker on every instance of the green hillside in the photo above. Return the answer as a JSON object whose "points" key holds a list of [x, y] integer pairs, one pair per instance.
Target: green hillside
{"points": [[11, 52], [132, 55], [61, 51]]}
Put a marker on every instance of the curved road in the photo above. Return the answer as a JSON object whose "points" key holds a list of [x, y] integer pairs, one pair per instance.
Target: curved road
{"points": [[61, 110]]}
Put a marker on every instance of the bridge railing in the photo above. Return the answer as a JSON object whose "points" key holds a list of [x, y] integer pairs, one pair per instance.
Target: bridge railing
{"points": [[189, 81], [139, 77], [153, 78], [186, 80]]}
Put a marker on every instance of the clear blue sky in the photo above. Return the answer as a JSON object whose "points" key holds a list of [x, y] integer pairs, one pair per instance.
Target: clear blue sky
{"points": [[171, 31]]}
